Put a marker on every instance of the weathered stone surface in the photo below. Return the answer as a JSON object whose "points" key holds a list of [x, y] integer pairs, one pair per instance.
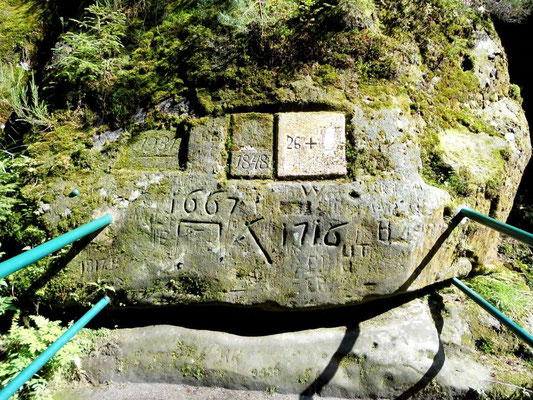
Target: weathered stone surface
{"points": [[153, 151], [399, 351], [252, 139], [462, 151], [167, 391], [293, 243], [106, 137], [181, 107], [197, 221], [184, 232], [311, 144]]}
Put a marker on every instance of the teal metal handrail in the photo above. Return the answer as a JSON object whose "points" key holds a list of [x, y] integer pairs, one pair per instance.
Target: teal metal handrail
{"points": [[516, 233], [23, 259], [513, 326], [46, 355], [499, 226]]}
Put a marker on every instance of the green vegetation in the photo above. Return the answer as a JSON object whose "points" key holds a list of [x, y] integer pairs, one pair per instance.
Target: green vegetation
{"points": [[21, 345], [506, 291], [305, 377], [510, 288], [515, 93], [193, 366], [20, 30], [509, 10], [242, 15], [19, 224], [271, 389], [518, 257], [6, 302], [23, 97], [86, 60], [370, 161]]}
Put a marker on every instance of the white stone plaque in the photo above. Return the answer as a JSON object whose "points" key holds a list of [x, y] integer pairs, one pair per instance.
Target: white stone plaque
{"points": [[311, 144]]}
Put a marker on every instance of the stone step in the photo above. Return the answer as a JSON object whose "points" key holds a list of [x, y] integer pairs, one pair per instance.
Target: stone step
{"points": [[413, 349]]}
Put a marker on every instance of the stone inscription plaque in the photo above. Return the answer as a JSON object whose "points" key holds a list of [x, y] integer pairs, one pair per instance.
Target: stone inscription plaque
{"points": [[153, 151], [311, 144], [251, 145]]}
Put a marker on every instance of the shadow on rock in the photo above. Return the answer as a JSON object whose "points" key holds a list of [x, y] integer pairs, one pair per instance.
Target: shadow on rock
{"points": [[55, 267], [431, 253], [346, 345], [436, 306]]}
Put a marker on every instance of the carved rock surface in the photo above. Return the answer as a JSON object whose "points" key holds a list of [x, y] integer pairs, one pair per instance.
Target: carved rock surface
{"points": [[258, 208], [311, 144], [195, 234], [202, 237]]}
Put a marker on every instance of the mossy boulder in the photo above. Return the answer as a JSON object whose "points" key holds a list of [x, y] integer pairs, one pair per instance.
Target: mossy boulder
{"points": [[202, 213]]}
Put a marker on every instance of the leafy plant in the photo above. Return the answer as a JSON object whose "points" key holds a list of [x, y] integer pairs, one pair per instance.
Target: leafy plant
{"points": [[21, 345], [89, 59], [22, 97], [271, 389], [6, 302], [8, 184], [243, 14], [510, 10], [506, 291], [11, 199], [101, 288]]}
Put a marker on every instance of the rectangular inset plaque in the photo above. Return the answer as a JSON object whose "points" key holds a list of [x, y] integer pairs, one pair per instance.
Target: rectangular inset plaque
{"points": [[251, 145], [153, 150], [311, 144]]}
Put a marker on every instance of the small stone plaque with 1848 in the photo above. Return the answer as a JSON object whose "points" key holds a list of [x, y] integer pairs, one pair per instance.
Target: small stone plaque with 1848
{"points": [[252, 143]]}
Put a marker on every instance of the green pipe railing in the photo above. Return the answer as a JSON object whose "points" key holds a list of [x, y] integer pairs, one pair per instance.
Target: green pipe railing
{"points": [[513, 326], [24, 259], [516, 233], [46, 355], [510, 230], [30, 256]]}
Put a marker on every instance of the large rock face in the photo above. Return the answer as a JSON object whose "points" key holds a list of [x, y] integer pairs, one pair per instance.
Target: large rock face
{"points": [[222, 230], [331, 197], [299, 243]]}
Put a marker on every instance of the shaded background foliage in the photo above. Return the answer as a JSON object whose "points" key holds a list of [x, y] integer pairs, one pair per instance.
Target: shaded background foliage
{"points": [[520, 70]]}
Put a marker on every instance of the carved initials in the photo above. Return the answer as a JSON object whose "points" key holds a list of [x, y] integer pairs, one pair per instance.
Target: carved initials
{"points": [[309, 189]]}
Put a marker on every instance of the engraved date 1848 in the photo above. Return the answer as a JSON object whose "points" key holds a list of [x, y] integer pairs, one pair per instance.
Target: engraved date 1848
{"points": [[253, 161]]}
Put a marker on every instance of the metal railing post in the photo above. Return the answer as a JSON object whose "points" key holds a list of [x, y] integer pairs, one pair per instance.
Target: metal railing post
{"points": [[23, 259], [515, 233], [46, 355]]}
